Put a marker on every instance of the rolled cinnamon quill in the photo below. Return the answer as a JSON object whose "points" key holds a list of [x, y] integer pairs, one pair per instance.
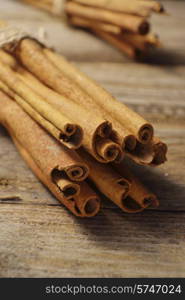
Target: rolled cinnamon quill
{"points": [[139, 196], [118, 42], [102, 148], [133, 122], [86, 23], [136, 7], [71, 134], [132, 23], [152, 154], [61, 165], [86, 204], [143, 43], [97, 129], [109, 182]]}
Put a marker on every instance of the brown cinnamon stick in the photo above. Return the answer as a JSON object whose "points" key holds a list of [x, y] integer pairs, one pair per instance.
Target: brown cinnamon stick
{"points": [[119, 43], [87, 23], [10, 78], [134, 123], [52, 158], [110, 183], [139, 196], [129, 22], [86, 204], [102, 148], [143, 43], [55, 79], [152, 154], [104, 137], [137, 7]]}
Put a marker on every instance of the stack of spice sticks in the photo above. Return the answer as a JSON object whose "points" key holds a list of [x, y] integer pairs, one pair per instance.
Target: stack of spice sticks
{"points": [[123, 23], [72, 133]]}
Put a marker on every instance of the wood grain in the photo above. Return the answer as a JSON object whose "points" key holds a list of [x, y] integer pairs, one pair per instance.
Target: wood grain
{"points": [[38, 236]]}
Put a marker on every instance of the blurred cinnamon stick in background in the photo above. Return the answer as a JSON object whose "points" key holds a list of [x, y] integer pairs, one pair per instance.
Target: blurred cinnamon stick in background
{"points": [[124, 24]]}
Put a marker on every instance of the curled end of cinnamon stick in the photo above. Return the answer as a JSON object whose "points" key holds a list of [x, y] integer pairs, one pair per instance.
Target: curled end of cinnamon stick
{"points": [[160, 153], [77, 173], [70, 190], [150, 200], [70, 129], [144, 27], [130, 142], [108, 151], [73, 137], [129, 205], [66, 187], [146, 133], [105, 129], [89, 208]]}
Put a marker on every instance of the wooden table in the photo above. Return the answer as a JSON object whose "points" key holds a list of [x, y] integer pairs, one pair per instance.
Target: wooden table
{"points": [[38, 236]]}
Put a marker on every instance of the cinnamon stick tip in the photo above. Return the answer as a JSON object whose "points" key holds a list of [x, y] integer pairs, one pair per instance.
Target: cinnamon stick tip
{"points": [[129, 205], [90, 208], [70, 129], [73, 141], [71, 190], [146, 133], [130, 142], [78, 173], [105, 129], [144, 27]]}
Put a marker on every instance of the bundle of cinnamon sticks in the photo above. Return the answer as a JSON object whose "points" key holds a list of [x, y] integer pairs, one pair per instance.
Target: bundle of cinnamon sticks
{"points": [[72, 133], [123, 23]]}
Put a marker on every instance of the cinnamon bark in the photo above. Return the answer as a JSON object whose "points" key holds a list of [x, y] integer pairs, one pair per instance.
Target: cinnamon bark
{"points": [[152, 154], [141, 7], [143, 43], [96, 142], [119, 43], [109, 182], [133, 122], [31, 55], [71, 134], [86, 204], [129, 22], [86, 23], [55, 132], [55, 161], [139, 196]]}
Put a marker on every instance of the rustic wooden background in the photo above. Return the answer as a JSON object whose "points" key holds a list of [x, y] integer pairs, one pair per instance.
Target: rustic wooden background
{"points": [[39, 237]]}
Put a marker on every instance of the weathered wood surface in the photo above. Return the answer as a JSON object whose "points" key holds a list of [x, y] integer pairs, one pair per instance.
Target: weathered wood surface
{"points": [[38, 237]]}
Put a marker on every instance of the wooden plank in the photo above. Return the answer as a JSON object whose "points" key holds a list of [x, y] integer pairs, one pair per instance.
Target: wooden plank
{"points": [[40, 240]]}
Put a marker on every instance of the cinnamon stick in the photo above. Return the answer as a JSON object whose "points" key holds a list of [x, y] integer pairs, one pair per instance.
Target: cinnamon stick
{"points": [[129, 22], [137, 7], [120, 112], [139, 196], [119, 43], [10, 78], [52, 158], [86, 23], [143, 43], [55, 132], [152, 154], [102, 148], [110, 183], [86, 204], [98, 125]]}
